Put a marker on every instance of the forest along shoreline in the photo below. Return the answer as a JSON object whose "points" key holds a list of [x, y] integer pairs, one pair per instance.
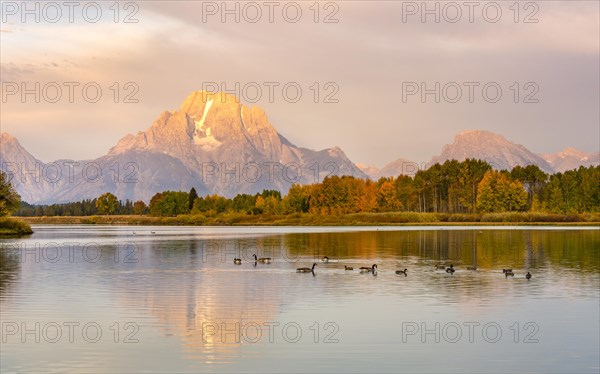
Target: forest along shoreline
{"points": [[453, 193]]}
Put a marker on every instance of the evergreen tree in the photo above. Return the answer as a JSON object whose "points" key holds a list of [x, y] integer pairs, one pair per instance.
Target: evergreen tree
{"points": [[192, 198]]}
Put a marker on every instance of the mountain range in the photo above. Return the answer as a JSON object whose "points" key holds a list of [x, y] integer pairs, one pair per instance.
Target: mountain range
{"points": [[219, 146]]}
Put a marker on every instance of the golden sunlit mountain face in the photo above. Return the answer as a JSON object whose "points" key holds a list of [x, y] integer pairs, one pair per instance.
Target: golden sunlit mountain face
{"points": [[349, 61]]}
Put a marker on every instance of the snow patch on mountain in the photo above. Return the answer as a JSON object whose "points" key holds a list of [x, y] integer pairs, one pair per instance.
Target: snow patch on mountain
{"points": [[200, 124], [242, 117], [208, 143], [204, 137]]}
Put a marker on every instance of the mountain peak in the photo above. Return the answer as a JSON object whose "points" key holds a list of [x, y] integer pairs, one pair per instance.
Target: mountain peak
{"points": [[206, 122], [571, 158], [216, 129], [473, 132], [479, 135], [6, 137], [11, 145], [491, 147], [569, 151], [195, 103], [370, 170], [336, 151], [395, 168]]}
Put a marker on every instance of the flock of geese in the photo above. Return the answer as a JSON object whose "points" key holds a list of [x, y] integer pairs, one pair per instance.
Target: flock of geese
{"points": [[365, 269], [373, 269]]}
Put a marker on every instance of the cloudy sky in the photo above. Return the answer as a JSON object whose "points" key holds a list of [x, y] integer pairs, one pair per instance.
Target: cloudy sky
{"points": [[365, 58]]}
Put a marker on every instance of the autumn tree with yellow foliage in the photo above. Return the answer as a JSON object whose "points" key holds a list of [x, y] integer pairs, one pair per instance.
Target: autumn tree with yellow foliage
{"points": [[497, 193]]}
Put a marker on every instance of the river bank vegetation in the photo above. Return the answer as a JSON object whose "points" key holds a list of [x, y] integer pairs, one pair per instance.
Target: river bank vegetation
{"points": [[9, 203], [308, 219]]}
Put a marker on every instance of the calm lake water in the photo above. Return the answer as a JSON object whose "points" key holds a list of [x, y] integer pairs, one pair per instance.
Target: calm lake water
{"points": [[170, 299]]}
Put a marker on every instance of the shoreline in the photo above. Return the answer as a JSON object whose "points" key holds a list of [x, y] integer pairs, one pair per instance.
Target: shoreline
{"points": [[357, 219], [14, 227]]}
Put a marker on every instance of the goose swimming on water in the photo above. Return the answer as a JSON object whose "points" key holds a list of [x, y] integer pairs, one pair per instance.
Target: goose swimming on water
{"points": [[348, 267], [400, 272], [262, 260], [450, 270], [371, 269], [307, 270]]}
